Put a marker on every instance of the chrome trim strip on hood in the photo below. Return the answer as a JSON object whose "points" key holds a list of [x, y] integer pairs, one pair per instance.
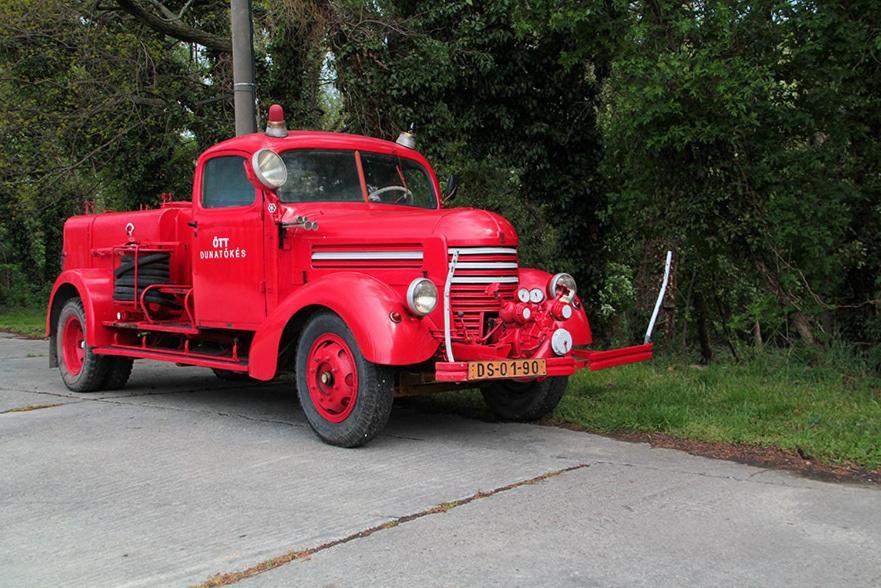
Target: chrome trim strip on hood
{"points": [[486, 280], [487, 265], [357, 255], [483, 250]]}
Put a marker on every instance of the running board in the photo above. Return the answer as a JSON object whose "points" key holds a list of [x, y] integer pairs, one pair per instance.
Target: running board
{"points": [[178, 357]]}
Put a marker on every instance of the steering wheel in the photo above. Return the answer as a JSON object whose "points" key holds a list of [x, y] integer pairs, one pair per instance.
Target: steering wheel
{"points": [[374, 196]]}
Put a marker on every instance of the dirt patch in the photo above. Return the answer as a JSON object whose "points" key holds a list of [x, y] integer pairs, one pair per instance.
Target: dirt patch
{"points": [[754, 455]]}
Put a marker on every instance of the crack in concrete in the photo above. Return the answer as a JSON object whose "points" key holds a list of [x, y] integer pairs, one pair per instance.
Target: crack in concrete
{"points": [[32, 407], [224, 579]]}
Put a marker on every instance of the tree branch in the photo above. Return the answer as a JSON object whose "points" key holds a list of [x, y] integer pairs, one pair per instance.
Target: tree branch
{"points": [[175, 28]]}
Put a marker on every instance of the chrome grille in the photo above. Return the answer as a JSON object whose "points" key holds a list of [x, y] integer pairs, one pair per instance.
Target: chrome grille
{"points": [[477, 270]]}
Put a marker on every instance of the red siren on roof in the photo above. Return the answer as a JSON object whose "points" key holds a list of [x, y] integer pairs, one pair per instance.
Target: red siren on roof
{"points": [[275, 126]]}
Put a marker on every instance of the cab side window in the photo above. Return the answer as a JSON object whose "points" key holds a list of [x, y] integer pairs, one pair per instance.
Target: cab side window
{"points": [[225, 184]]}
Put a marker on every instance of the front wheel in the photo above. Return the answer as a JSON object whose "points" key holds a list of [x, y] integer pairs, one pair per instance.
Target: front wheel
{"points": [[346, 399], [81, 369], [524, 401]]}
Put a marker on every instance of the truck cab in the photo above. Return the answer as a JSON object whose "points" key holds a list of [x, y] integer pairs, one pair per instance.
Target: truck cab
{"points": [[330, 256]]}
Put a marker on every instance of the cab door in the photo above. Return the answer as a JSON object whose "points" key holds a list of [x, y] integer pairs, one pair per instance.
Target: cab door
{"points": [[228, 274]]}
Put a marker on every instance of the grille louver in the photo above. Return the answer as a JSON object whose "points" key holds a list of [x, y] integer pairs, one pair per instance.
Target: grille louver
{"points": [[477, 269]]}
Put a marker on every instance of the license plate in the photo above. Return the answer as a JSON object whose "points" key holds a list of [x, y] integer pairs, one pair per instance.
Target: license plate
{"points": [[508, 368]]}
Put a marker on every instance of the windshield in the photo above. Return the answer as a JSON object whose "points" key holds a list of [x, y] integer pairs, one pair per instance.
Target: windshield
{"points": [[321, 176], [332, 176], [395, 180]]}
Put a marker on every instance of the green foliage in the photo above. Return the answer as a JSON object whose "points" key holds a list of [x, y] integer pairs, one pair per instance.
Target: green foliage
{"points": [[731, 133], [90, 108], [27, 321]]}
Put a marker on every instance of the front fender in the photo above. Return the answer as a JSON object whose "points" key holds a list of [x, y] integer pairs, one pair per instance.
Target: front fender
{"points": [[364, 303], [95, 288], [578, 325]]}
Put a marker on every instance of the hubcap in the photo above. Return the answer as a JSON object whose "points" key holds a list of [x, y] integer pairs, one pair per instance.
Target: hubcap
{"points": [[73, 345], [332, 378]]}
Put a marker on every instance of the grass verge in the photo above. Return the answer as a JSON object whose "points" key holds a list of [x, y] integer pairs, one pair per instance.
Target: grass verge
{"points": [[822, 412], [30, 322]]}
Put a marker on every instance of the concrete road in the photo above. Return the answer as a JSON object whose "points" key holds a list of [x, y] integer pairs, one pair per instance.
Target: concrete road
{"points": [[181, 477]]}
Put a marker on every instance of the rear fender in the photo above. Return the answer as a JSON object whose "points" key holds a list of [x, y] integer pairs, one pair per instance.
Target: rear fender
{"points": [[95, 288], [365, 304], [578, 326]]}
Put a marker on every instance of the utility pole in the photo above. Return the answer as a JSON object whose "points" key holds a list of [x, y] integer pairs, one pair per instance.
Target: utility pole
{"points": [[243, 66]]}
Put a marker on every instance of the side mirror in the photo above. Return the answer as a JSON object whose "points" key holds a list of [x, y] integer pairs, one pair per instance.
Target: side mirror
{"points": [[452, 188]]}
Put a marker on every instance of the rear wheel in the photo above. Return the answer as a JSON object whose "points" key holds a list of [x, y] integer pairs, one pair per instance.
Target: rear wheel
{"points": [[81, 369], [346, 399], [524, 401]]}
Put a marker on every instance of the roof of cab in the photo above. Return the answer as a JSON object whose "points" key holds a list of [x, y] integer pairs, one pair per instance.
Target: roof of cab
{"points": [[311, 139]]}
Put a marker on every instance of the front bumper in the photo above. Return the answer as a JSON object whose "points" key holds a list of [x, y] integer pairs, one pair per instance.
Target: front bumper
{"points": [[457, 371]]}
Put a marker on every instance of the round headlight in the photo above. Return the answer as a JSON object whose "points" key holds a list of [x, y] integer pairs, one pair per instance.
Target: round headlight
{"points": [[523, 295], [269, 168], [422, 296], [560, 281], [536, 295]]}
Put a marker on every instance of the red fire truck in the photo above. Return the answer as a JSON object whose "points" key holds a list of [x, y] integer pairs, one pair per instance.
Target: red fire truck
{"points": [[331, 256]]}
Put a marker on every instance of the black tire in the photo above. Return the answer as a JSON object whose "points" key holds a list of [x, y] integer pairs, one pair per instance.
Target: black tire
{"points": [[149, 270], [93, 369], [230, 376], [143, 281], [375, 388], [148, 258], [153, 261], [118, 371], [127, 270], [524, 401]]}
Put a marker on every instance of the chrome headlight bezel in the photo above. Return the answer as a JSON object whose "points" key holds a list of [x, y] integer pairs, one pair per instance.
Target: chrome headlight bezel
{"points": [[555, 282], [413, 295]]}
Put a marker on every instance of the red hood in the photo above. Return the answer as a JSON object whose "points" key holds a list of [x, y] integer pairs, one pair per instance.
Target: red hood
{"points": [[460, 226]]}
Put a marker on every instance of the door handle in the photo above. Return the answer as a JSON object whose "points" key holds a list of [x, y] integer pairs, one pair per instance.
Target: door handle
{"points": [[193, 224]]}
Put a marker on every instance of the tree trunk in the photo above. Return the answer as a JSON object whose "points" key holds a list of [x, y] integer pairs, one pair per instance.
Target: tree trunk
{"points": [[803, 326], [799, 320], [703, 329]]}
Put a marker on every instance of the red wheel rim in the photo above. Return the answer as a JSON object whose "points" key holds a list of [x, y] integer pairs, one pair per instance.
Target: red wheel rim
{"points": [[332, 378], [73, 345]]}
